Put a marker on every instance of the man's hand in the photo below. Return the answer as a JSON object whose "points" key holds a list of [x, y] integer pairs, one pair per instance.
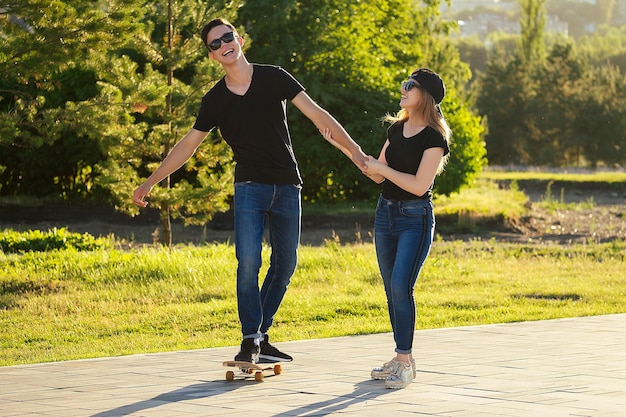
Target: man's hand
{"points": [[139, 194], [360, 160]]}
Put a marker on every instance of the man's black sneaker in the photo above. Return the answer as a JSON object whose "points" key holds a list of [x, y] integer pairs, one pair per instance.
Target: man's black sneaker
{"points": [[270, 353], [249, 352]]}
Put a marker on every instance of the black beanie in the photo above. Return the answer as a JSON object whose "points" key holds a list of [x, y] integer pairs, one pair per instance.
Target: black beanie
{"points": [[431, 82]]}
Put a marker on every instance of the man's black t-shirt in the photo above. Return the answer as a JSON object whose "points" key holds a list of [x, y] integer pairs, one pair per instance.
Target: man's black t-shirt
{"points": [[255, 125], [405, 154]]}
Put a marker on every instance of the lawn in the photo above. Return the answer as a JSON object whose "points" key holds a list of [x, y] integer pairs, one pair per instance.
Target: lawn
{"points": [[94, 300], [67, 304]]}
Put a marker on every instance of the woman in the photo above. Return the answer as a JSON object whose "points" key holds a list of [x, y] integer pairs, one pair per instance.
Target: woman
{"points": [[416, 150]]}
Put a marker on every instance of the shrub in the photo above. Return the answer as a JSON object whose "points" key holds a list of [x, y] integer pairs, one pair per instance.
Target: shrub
{"points": [[12, 241]]}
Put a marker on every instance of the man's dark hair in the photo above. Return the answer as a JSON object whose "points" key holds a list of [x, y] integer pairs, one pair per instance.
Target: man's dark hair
{"points": [[214, 23]]}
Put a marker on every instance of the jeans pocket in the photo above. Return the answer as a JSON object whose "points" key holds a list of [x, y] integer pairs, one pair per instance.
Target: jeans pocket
{"points": [[413, 211]]}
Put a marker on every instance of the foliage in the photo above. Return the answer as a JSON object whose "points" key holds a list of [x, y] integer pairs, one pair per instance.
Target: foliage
{"points": [[467, 150], [472, 51], [351, 60], [42, 56], [552, 111], [98, 93], [55, 239], [115, 105], [615, 179], [532, 24], [606, 46], [160, 82]]}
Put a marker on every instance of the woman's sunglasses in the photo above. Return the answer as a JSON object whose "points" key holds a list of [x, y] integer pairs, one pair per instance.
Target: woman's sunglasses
{"points": [[408, 85], [216, 44]]}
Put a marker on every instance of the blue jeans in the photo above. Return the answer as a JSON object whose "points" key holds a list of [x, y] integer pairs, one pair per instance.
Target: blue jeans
{"points": [[279, 207], [403, 234]]}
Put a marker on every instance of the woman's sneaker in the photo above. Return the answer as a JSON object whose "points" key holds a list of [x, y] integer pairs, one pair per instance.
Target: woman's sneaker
{"points": [[400, 377], [382, 372]]}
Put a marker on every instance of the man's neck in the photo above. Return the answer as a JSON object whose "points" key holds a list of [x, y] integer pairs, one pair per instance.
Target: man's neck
{"points": [[238, 73]]}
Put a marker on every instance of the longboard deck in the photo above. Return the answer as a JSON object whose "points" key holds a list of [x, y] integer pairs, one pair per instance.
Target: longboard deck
{"points": [[248, 369]]}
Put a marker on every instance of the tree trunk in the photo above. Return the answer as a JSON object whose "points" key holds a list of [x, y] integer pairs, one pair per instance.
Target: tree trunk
{"points": [[166, 225]]}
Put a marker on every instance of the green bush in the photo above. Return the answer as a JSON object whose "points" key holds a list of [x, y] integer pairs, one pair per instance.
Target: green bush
{"points": [[12, 241]]}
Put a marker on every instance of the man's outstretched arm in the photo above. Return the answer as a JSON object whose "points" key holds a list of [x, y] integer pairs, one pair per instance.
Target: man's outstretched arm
{"points": [[324, 120]]}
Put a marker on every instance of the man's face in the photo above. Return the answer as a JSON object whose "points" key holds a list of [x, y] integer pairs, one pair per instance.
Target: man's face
{"points": [[224, 44]]}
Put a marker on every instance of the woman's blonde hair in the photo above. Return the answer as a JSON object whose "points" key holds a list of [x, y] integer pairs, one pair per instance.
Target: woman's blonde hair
{"points": [[433, 117]]}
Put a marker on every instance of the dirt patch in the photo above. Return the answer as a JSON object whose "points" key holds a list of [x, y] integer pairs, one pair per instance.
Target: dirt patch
{"points": [[597, 213], [601, 218]]}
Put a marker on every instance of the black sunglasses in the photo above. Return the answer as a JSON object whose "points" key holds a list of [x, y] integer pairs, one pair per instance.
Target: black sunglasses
{"points": [[408, 85], [216, 44]]}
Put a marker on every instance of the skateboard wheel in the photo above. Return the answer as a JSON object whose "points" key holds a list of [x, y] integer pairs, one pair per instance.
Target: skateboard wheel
{"points": [[278, 369], [249, 371], [230, 376], [258, 377]]}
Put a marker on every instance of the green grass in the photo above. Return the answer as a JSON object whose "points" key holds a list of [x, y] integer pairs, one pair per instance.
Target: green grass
{"points": [[66, 304], [485, 200], [607, 177], [479, 208], [551, 203]]}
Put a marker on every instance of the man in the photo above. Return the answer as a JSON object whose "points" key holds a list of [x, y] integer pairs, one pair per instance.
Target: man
{"points": [[248, 105]]}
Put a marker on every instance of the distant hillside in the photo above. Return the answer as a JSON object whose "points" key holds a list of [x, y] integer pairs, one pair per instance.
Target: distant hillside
{"points": [[572, 17]]}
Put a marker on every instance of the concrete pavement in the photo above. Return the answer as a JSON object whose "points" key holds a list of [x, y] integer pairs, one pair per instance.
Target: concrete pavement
{"points": [[565, 367]]}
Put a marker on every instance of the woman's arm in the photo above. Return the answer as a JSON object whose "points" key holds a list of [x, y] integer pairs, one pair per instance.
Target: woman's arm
{"points": [[417, 184]]}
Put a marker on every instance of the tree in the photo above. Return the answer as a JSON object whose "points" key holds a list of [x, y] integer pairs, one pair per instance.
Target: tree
{"points": [[532, 27], [560, 89], [45, 44], [352, 60], [106, 88], [504, 91], [607, 10], [472, 51], [560, 112], [163, 88], [605, 46], [602, 122], [138, 86]]}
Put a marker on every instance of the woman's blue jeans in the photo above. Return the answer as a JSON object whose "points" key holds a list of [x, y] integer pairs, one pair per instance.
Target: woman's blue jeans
{"points": [[278, 207], [403, 235]]}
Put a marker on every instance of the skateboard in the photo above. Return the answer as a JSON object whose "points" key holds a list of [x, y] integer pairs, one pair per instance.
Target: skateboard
{"points": [[251, 369]]}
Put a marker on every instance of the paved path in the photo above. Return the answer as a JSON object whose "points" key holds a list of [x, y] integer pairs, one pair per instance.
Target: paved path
{"points": [[566, 367]]}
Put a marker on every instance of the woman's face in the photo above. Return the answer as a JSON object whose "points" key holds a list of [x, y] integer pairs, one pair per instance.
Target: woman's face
{"points": [[410, 94]]}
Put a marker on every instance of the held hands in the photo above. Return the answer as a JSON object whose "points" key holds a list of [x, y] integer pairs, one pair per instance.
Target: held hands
{"points": [[359, 159], [374, 166], [369, 166], [374, 170]]}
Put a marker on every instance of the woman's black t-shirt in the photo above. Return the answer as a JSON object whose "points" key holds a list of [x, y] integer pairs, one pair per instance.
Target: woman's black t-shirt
{"points": [[255, 125], [405, 154]]}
